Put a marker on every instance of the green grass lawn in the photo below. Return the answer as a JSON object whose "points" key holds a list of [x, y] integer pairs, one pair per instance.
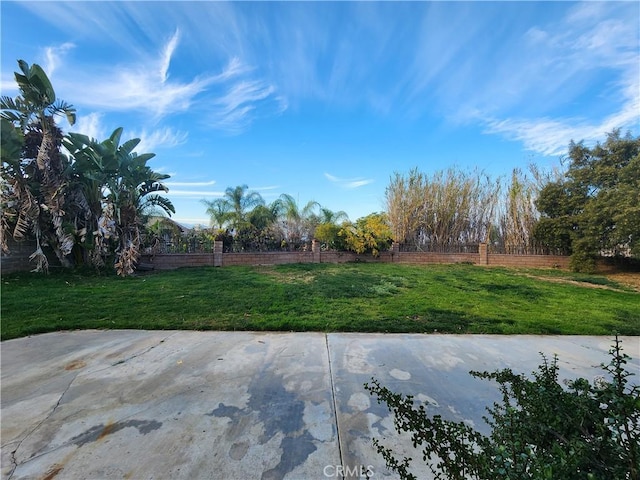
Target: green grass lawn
{"points": [[324, 297]]}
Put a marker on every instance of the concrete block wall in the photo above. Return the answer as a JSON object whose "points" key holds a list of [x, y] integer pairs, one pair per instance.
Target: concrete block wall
{"points": [[177, 260], [532, 261], [17, 260], [266, 258], [420, 258], [347, 257], [164, 262]]}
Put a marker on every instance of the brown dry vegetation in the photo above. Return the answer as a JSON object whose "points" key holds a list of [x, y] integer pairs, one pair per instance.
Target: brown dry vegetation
{"points": [[628, 279]]}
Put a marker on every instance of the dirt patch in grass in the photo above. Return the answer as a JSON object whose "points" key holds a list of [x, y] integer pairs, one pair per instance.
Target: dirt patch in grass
{"points": [[628, 279], [625, 280], [285, 275]]}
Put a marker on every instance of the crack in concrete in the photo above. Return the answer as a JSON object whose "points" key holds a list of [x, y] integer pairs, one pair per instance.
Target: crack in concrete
{"points": [[136, 355], [14, 461], [12, 455], [335, 403]]}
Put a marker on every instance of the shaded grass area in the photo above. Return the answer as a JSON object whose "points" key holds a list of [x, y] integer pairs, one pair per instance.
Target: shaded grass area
{"points": [[321, 297]]}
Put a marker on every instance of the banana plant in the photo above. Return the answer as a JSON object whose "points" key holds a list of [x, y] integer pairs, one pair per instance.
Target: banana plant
{"points": [[120, 188], [33, 168]]}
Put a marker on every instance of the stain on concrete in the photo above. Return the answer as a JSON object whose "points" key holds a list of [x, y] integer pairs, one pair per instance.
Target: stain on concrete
{"points": [[225, 411], [279, 411], [98, 432], [75, 365], [241, 419], [238, 450], [53, 472], [295, 450]]}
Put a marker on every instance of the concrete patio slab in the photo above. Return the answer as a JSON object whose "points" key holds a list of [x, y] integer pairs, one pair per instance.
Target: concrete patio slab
{"points": [[242, 405]]}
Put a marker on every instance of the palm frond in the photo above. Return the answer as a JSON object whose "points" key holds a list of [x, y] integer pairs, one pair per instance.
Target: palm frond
{"points": [[164, 203], [66, 109]]}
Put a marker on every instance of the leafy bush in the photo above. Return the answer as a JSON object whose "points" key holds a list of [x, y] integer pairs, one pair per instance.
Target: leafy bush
{"points": [[328, 234], [370, 234], [540, 430]]}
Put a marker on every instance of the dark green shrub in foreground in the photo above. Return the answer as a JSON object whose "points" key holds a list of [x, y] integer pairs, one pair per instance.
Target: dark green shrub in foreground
{"points": [[540, 430]]}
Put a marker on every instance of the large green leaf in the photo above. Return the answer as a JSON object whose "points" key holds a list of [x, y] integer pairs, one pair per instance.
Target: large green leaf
{"points": [[35, 85], [129, 146], [140, 161], [39, 78], [11, 141], [115, 136]]}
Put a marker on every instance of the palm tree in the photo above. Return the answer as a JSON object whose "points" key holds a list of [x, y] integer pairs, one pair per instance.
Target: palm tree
{"points": [[329, 216], [262, 216], [37, 185], [296, 223], [233, 207], [217, 212], [327, 228]]}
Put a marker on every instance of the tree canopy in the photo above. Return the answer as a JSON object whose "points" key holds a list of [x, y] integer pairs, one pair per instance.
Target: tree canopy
{"points": [[595, 208], [87, 204]]}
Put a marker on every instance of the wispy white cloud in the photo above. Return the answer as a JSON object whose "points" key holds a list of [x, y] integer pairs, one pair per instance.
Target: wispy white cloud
{"points": [[466, 62], [167, 53], [543, 135], [192, 221], [90, 125], [235, 110], [53, 57], [193, 193], [439, 70], [193, 189], [8, 85], [348, 183], [159, 138], [145, 84], [131, 88], [165, 170], [191, 184], [551, 136], [565, 61], [234, 68], [142, 84]]}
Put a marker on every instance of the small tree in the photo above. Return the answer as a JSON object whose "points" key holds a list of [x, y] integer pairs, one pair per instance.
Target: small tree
{"points": [[594, 209], [539, 431], [327, 228], [370, 234], [328, 234]]}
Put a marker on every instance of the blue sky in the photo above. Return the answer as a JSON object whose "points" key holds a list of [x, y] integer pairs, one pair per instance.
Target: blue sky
{"points": [[326, 100]]}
